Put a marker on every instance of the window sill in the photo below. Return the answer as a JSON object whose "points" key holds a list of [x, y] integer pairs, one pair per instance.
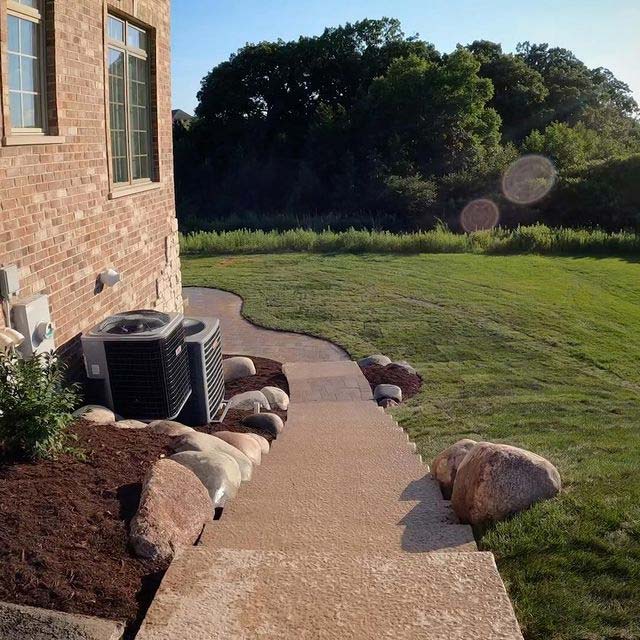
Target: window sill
{"points": [[27, 139], [122, 192]]}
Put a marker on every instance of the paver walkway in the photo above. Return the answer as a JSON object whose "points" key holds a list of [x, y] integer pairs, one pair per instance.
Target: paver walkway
{"points": [[241, 337], [341, 535]]}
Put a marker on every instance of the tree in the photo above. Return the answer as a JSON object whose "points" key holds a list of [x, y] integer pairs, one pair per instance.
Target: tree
{"points": [[518, 90]]}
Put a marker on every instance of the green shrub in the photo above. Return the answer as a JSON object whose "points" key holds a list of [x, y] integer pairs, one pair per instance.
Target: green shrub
{"points": [[35, 406]]}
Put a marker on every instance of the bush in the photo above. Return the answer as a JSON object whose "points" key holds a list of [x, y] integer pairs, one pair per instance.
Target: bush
{"points": [[35, 406], [606, 194], [537, 238]]}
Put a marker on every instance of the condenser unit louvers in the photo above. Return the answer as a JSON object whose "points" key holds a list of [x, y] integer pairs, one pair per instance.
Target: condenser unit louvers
{"points": [[204, 346], [141, 357]]}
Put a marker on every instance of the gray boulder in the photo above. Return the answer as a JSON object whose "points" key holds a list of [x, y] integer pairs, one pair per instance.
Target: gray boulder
{"points": [[174, 508], [130, 424], [218, 472], [383, 391], [268, 423], [276, 397], [388, 403], [95, 413], [238, 367], [445, 465], [197, 441], [169, 428], [378, 358], [246, 401], [495, 481], [403, 364], [244, 443]]}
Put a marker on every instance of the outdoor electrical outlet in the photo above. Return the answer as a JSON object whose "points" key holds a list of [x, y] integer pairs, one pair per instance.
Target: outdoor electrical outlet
{"points": [[9, 281]]}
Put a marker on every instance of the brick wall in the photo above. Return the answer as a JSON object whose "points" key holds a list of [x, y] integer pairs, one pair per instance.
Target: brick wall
{"points": [[58, 221]]}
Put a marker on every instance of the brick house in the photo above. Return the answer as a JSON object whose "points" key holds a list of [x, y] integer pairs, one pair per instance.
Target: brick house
{"points": [[86, 176]]}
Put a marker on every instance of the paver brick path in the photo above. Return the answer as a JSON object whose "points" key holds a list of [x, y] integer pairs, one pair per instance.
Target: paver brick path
{"points": [[241, 337], [341, 535]]}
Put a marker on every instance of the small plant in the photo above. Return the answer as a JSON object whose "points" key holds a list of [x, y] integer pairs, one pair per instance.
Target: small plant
{"points": [[35, 406]]}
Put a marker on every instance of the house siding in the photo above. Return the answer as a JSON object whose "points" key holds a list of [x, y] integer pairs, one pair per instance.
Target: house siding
{"points": [[58, 222]]}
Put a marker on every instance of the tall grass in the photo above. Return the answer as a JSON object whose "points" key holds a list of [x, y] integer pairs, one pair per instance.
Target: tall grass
{"points": [[530, 239]]}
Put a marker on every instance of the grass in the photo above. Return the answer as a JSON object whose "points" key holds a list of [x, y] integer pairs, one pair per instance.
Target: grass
{"points": [[539, 352], [532, 239]]}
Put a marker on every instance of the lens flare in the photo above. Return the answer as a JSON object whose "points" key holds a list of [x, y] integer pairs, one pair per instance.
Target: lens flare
{"points": [[480, 215], [528, 179]]}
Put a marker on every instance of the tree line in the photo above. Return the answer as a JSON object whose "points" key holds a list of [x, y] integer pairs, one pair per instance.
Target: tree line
{"points": [[366, 126]]}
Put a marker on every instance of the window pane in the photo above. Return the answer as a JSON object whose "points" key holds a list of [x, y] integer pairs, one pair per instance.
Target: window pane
{"points": [[28, 3], [136, 37], [15, 105], [117, 111], [14, 72], [139, 117], [115, 29], [30, 110], [30, 80], [14, 34], [28, 37]]}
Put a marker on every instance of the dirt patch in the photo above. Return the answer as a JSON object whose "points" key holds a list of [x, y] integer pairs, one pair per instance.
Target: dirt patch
{"points": [[410, 383], [268, 374], [64, 526]]}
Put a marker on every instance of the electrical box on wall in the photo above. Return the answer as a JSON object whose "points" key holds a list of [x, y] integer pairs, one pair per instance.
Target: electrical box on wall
{"points": [[9, 281], [32, 318]]}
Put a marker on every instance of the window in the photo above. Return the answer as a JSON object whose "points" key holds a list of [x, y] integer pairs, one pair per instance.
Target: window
{"points": [[27, 105], [129, 103]]}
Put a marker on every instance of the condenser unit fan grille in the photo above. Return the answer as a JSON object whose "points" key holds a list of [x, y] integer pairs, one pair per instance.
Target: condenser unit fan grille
{"points": [[213, 368], [147, 381]]}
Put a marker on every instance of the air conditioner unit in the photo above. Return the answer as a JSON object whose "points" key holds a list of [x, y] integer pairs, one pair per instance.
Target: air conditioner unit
{"points": [[204, 346], [142, 359]]}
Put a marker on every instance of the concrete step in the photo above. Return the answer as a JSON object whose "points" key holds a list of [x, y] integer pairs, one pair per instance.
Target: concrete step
{"points": [[231, 594], [326, 381]]}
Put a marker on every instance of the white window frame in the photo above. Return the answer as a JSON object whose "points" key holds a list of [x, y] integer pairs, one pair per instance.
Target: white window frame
{"points": [[129, 50], [35, 15]]}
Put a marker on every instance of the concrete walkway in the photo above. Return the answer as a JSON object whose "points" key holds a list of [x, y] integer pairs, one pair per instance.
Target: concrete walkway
{"points": [[342, 534]]}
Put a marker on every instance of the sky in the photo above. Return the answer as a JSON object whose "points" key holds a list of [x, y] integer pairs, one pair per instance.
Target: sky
{"points": [[601, 33]]}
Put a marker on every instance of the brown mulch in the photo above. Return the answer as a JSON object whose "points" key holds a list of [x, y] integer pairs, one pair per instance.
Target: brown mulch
{"points": [[268, 374], [64, 523], [410, 383], [64, 526]]}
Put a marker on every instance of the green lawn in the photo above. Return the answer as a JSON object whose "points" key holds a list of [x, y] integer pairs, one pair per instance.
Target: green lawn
{"points": [[539, 352]]}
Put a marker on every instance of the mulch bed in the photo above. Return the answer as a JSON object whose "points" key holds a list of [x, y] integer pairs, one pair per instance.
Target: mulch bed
{"points": [[410, 383], [268, 374], [64, 524]]}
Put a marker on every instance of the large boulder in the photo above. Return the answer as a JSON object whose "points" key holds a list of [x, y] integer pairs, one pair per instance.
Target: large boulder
{"points": [[174, 508], [495, 481], [383, 391], [445, 465], [197, 441], [243, 442], [246, 401], [96, 414], [264, 423], [238, 367], [169, 428], [378, 358], [277, 398], [218, 472], [262, 441]]}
